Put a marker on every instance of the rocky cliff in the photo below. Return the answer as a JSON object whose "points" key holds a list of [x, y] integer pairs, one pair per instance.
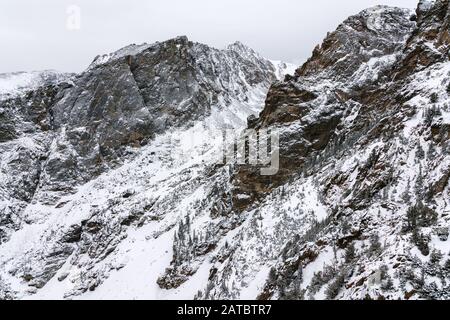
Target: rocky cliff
{"points": [[62, 135]]}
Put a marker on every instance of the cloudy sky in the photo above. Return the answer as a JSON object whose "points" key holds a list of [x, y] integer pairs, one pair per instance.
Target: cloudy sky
{"points": [[49, 34]]}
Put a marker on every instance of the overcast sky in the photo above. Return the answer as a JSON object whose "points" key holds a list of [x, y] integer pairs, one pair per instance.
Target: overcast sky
{"points": [[44, 34]]}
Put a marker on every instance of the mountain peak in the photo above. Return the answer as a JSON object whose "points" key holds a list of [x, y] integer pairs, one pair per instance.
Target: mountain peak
{"points": [[241, 48], [134, 49], [374, 32]]}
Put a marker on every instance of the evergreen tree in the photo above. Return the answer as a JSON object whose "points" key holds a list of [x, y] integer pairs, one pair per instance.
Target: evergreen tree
{"points": [[421, 242], [447, 265], [375, 245], [419, 184], [372, 160], [434, 98], [334, 287], [406, 196], [350, 253], [431, 153], [420, 152], [345, 226], [436, 256], [272, 275], [387, 283]]}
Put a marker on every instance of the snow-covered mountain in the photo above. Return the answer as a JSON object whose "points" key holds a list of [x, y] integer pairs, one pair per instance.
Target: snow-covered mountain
{"points": [[115, 131], [104, 195]]}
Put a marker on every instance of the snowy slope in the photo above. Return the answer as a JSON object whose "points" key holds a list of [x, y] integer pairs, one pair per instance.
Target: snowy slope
{"points": [[171, 179], [18, 82]]}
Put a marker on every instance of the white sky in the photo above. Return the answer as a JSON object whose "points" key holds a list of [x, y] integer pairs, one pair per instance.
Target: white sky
{"points": [[34, 36]]}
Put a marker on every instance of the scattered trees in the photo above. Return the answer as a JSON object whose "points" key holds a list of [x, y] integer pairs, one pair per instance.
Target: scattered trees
{"points": [[418, 216], [189, 244], [447, 265], [335, 286]]}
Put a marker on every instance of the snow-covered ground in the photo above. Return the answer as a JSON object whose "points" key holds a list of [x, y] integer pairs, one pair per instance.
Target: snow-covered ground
{"points": [[283, 68], [18, 82], [172, 158]]}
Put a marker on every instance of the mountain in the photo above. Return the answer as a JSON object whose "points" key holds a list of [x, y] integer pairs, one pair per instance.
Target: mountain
{"points": [[81, 141], [104, 193]]}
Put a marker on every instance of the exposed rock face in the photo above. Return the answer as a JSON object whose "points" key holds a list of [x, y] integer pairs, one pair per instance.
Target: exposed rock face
{"points": [[429, 42], [355, 121], [25, 135], [374, 33], [25, 107], [358, 210], [157, 87], [309, 107], [126, 98], [58, 133]]}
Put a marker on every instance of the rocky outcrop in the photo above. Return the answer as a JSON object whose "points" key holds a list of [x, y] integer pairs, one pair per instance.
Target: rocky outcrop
{"points": [[309, 108], [429, 41], [374, 33]]}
